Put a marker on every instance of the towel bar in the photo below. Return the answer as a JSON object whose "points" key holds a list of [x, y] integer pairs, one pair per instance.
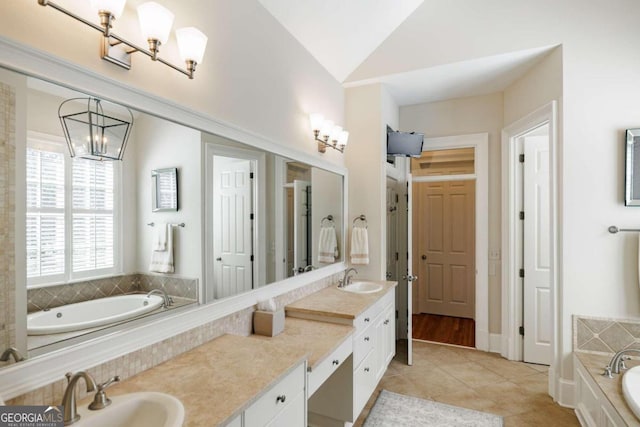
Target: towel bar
{"points": [[613, 229], [153, 224], [361, 218]]}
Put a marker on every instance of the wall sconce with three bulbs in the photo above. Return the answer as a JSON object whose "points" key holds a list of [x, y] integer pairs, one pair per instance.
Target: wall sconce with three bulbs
{"points": [[327, 134], [155, 23]]}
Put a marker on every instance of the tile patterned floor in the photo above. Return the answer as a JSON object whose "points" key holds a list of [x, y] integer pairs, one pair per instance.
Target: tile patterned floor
{"points": [[476, 380]]}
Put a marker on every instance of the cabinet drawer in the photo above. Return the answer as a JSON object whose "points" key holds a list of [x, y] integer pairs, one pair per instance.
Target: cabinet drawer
{"points": [[276, 399], [364, 382], [293, 415], [367, 318], [363, 344], [328, 366]]}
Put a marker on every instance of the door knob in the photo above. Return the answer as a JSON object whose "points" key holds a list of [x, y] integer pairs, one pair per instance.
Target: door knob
{"points": [[410, 278], [219, 259], [423, 257]]}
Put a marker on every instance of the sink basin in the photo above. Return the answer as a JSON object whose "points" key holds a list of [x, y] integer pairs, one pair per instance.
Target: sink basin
{"points": [[362, 287], [631, 389], [146, 409]]}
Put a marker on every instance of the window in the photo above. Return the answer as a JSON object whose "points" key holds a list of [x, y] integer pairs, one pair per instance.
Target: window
{"points": [[71, 223]]}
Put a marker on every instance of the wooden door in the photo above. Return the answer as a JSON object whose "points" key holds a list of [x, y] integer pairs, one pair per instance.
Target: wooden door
{"points": [[444, 247], [232, 226]]}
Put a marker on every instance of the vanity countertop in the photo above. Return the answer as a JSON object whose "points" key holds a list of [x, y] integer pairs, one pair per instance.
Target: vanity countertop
{"points": [[219, 379], [611, 387], [319, 339], [333, 302]]}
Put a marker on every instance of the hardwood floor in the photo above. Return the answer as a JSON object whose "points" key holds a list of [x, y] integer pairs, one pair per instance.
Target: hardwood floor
{"points": [[444, 329]]}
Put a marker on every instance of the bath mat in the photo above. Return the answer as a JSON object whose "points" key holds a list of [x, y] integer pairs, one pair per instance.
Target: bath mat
{"points": [[398, 410]]}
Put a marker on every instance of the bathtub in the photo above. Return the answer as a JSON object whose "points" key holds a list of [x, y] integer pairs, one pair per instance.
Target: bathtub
{"points": [[90, 314]]}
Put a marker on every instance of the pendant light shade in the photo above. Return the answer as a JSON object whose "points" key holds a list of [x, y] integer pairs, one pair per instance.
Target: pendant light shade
{"points": [[191, 44], [92, 133], [155, 21], [114, 7]]}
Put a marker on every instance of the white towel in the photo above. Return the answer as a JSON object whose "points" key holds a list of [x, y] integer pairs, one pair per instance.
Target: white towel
{"points": [[162, 261], [327, 245], [359, 246], [160, 237]]}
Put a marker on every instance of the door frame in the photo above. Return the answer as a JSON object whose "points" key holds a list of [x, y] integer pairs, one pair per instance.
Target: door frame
{"points": [[480, 143], [259, 203], [511, 289]]}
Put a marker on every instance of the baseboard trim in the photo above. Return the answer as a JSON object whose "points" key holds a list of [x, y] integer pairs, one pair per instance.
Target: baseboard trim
{"points": [[567, 393], [495, 343]]}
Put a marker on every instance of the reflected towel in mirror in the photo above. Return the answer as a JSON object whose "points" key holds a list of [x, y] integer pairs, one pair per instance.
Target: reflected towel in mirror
{"points": [[162, 261], [160, 237], [327, 245], [359, 246]]}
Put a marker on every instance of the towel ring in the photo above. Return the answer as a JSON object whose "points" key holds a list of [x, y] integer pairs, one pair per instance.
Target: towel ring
{"points": [[327, 218], [360, 218]]}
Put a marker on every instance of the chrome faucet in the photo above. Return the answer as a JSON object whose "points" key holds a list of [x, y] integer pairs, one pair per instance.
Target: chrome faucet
{"points": [[11, 351], [69, 398], [165, 296], [617, 362], [309, 268], [346, 279]]}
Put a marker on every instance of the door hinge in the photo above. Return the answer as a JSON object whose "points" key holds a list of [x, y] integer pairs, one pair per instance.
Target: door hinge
{"points": [[521, 214], [396, 314], [251, 217], [521, 330], [250, 175], [522, 272], [397, 199], [397, 256], [521, 158], [251, 258]]}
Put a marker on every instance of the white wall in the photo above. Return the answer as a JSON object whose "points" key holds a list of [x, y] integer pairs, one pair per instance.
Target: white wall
{"points": [[162, 144], [364, 156], [255, 75], [462, 116]]}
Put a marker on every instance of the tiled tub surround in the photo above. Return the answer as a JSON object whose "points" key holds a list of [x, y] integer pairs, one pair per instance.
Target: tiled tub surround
{"points": [[595, 340], [611, 388], [598, 335], [55, 296], [126, 366]]}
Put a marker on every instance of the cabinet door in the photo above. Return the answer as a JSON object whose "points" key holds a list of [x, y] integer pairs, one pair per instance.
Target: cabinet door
{"points": [[293, 415], [390, 336]]}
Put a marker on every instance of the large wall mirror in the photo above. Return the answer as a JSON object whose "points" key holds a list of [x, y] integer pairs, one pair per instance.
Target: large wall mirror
{"points": [[632, 168], [245, 218]]}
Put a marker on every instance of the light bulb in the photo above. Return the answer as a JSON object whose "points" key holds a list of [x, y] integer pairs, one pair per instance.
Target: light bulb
{"points": [[327, 127], [114, 7], [316, 120], [191, 44], [343, 138], [155, 21]]}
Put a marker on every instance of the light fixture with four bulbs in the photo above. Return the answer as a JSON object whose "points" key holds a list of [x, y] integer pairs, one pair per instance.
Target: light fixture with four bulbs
{"points": [[327, 134], [155, 24]]}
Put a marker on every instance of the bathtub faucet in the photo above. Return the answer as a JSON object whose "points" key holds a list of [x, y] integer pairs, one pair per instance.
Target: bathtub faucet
{"points": [[617, 362], [165, 296], [11, 351]]}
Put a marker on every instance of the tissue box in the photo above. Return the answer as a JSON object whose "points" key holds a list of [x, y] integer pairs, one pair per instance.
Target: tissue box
{"points": [[268, 323]]}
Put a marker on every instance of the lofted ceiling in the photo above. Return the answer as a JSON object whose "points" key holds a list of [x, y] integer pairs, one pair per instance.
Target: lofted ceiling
{"points": [[341, 34], [351, 38]]}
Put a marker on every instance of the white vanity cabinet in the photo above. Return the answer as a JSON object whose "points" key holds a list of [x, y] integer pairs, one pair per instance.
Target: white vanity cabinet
{"points": [[284, 404], [344, 394], [593, 409]]}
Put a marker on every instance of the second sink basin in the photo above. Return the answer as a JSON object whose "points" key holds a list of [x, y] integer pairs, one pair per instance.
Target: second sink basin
{"points": [[145, 409], [631, 389], [362, 287]]}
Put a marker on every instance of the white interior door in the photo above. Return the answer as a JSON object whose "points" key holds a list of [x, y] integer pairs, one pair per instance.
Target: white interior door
{"points": [[232, 226], [300, 231], [536, 247]]}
